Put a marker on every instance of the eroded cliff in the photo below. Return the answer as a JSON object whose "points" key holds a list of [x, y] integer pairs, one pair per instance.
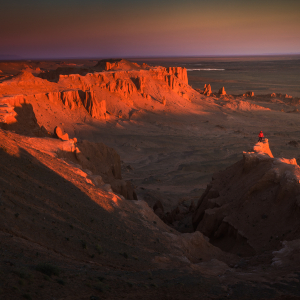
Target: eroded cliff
{"points": [[253, 205]]}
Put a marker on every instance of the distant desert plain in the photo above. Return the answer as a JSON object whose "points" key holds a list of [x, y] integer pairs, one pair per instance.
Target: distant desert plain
{"points": [[120, 181]]}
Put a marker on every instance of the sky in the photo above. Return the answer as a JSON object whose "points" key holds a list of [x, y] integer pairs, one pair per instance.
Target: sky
{"points": [[144, 28]]}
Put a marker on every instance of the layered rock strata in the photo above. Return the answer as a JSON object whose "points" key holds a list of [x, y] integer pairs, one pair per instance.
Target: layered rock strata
{"points": [[253, 205], [119, 86]]}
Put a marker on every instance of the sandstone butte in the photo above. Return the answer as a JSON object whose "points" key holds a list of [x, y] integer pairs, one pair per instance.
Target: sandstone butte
{"points": [[68, 230]]}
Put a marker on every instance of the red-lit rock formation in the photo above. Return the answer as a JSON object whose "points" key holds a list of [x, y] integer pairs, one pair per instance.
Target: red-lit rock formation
{"points": [[141, 82], [59, 133], [253, 205], [111, 86], [123, 87], [222, 91], [96, 108], [207, 89], [7, 113], [116, 64], [70, 99], [180, 73], [263, 148]]}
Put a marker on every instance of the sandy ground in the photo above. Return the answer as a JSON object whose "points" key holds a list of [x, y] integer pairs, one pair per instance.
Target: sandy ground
{"points": [[174, 157]]}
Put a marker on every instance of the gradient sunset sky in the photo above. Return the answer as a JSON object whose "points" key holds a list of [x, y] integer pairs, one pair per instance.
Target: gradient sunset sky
{"points": [[143, 28]]}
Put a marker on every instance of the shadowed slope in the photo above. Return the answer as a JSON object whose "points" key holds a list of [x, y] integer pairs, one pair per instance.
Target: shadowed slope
{"points": [[253, 205], [50, 212]]}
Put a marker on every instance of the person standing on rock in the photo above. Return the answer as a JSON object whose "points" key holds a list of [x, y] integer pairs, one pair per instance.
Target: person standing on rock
{"points": [[260, 136]]}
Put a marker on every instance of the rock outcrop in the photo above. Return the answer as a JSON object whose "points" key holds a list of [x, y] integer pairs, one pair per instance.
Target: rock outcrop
{"points": [[70, 99], [7, 113], [180, 73], [116, 64], [110, 86], [253, 205], [222, 91], [207, 89], [263, 148], [59, 133], [243, 105], [95, 107], [104, 161]]}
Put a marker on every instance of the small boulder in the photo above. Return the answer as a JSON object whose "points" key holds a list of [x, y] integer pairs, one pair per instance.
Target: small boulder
{"points": [[273, 95], [59, 133]]}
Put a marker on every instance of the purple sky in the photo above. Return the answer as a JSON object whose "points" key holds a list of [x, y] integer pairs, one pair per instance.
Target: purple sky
{"points": [[115, 28]]}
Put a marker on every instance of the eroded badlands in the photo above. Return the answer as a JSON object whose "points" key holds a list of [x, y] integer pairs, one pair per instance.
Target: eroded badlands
{"points": [[120, 180]]}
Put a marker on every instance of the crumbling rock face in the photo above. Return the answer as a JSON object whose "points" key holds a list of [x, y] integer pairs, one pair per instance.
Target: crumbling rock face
{"points": [[96, 108], [173, 83], [70, 99], [104, 161], [7, 105], [18, 115], [14, 100], [141, 84], [76, 98], [180, 73], [125, 88], [7, 113], [110, 86], [253, 205]]}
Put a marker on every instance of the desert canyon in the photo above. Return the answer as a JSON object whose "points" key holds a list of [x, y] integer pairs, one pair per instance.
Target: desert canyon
{"points": [[120, 181]]}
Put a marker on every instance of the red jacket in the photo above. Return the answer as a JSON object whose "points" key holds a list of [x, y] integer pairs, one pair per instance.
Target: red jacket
{"points": [[261, 135]]}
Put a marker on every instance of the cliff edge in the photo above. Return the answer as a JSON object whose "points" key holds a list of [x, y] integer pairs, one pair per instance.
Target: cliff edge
{"points": [[252, 206]]}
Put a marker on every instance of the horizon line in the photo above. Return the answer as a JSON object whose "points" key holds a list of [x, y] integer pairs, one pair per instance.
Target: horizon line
{"points": [[20, 58]]}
